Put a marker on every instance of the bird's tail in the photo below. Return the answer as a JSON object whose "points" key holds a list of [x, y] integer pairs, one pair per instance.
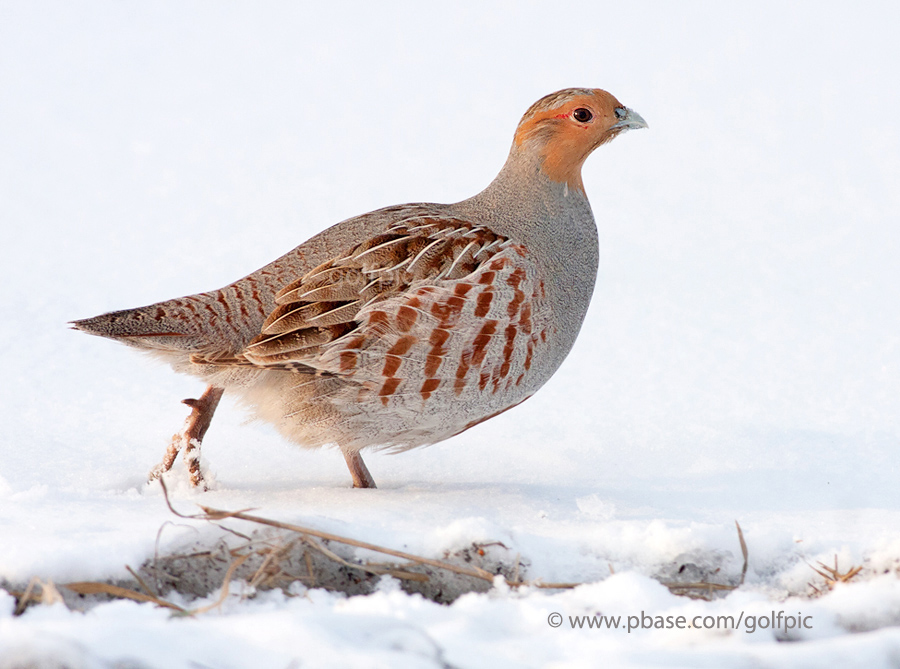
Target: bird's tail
{"points": [[194, 325]]}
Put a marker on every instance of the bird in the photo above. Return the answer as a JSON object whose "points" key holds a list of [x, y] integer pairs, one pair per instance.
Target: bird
{"points": [[407, 325]]}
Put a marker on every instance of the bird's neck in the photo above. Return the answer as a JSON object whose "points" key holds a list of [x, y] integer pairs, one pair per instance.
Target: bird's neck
{"points": [[555, 225], [524, 195]]}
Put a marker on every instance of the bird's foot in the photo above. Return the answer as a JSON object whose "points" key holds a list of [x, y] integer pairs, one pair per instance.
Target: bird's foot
{"points": [[191, 437]]}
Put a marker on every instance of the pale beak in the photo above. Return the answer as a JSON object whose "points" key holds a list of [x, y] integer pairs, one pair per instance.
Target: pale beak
{"points": [[631, 121]]}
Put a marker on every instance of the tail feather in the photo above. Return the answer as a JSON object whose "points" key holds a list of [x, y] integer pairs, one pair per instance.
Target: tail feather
{"points": [[127, 323], [175, 325]]}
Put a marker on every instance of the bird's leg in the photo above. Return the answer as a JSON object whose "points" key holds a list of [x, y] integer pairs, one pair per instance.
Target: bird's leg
{"points": [[191, 436], [358, 470], [195, 428]]}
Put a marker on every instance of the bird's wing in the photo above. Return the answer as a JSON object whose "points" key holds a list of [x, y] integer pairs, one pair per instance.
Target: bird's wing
{"points": [[432, 302]]}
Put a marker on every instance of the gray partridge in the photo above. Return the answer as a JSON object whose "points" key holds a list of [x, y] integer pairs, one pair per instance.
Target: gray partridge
{"points": [[407, 325]]}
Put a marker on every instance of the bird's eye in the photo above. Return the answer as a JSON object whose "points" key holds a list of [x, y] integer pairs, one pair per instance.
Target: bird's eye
{"points": [[582, 115], [620, 112]]}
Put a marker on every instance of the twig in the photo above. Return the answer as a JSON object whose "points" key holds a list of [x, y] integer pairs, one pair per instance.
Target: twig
{"points": [[833, 575], [271, 555], [368, 568], [211, 514], [537, 583], [225, 587], [744, 551], [700, 585], [217, 514], [309, 567], [26, 596], [141, 581], [97, 588]]}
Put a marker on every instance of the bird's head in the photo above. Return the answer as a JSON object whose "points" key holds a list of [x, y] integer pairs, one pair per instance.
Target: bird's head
{"points": [[564, 127]]}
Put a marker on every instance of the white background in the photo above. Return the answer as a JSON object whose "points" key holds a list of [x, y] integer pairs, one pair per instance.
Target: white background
{"points": [[741, 358]]}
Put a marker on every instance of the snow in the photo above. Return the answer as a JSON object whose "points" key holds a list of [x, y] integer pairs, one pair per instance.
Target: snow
{"points": [[740, 361]]}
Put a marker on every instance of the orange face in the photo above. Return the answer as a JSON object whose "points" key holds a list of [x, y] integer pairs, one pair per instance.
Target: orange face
{"points": [[565, 127]]}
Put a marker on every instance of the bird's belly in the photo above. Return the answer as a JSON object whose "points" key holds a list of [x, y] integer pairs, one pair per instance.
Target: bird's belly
{"points": [[318, 411]]}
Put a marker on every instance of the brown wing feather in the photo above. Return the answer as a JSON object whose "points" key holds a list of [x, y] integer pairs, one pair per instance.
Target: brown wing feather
{"points": [[321, 307]]}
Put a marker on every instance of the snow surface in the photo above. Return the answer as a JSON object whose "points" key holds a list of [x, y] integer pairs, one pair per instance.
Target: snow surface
{"points": [[741, 358]]}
